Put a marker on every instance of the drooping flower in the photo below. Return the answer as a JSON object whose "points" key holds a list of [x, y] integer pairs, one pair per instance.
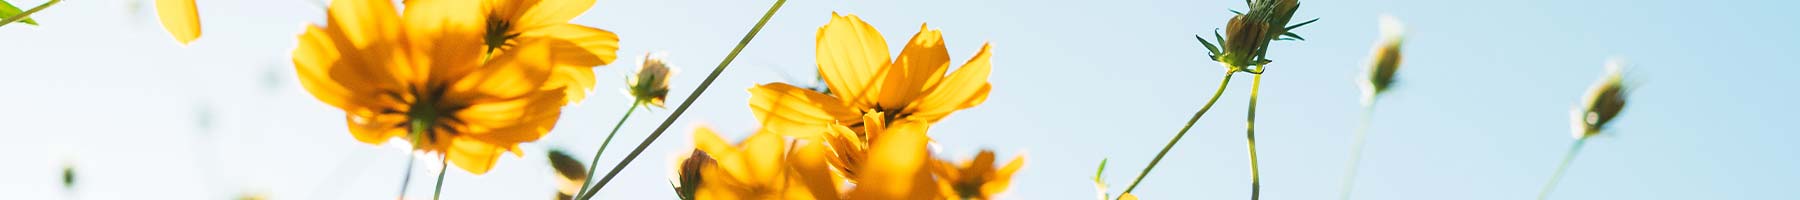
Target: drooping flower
{"points": [[1385, 60], [651, 84], [1602, 103], [689, 176], [976, 178], [423, 79], [756, 168], [577, 48], [181, 18], [853, 59]]}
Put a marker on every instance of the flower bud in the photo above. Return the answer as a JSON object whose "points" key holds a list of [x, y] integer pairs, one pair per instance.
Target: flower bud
{"points": [[651, 84], [1385, 60], [572, 172], [1244, 39], [690, 173], [1602, 103]]}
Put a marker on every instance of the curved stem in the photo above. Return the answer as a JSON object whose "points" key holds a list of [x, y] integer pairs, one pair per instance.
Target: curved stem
{"points": [[1356, 147], [603, 143], [443, 166], [689, 102], [1184, 129], [27, 13], [1560, 168], [1250, 136]]}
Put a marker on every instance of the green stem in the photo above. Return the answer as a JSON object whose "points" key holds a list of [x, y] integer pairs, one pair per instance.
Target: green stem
{"points": [[1250, 136], [1184, 129], [1356, 148], [407, 178], [689, 102], [443, 167], [27, 13], [603, 143], [1560, 168]]}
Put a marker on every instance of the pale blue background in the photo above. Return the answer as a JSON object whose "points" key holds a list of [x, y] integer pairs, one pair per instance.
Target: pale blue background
{"points": [[1481, 112]]}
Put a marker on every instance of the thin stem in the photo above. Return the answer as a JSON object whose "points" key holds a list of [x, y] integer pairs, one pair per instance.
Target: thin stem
{"points": [[1250, 136], [1560, 168], [603, 143], [1356, 147], [27, 13], [407, 178], [1184, 129], [444, 166], [689, 102]]}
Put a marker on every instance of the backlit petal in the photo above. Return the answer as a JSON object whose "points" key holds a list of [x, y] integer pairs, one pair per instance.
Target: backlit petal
{"points": [[473, 155], [364, 21], [507, 76], [894, 169], [511, 121], [1002, 179], [552, 12], [919, 67], [582, 47], [811, 164], [851, 55], [965, 88], [180, 18], [795, 111], [763, 153]]}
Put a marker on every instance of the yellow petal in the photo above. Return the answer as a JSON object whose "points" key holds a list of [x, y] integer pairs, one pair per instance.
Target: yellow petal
{"points": [[1003, 178], [919, 67], [764, 159], [1127, 196], [376, 129], [851, 56], [708, 141], [473, 155], [965, 88], [579, 46], [180, 18], [511, 75], [313, 60], [795, 111], [511, 121], [810, 163], [894, 169], [364, 21], [575, 82], [551, 12]]}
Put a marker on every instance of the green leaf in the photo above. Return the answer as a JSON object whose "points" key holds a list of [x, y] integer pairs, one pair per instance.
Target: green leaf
{"points": [[1209, 45], [1234, 11], [7, 10], [1295, 26], [1292, 36]]}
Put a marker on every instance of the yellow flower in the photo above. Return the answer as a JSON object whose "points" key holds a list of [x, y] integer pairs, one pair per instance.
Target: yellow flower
{"points": [[423, 79], [577, 48], [689, 174], [853, 60], [897, 167], [757, 168], [651, 85], [180, 18], [975, 179], [1127, 196]]}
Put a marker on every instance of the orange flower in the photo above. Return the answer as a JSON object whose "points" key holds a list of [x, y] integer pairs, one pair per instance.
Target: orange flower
{"points": [[975, 179], [577, 48], [424, 79], [757, 168]]}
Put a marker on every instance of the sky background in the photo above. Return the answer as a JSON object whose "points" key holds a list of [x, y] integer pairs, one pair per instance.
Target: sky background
{"points": [[1480, 112]]}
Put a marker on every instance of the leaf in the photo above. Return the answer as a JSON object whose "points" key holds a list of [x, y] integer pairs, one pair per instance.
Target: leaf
{"points": [[1295, 26], [7, 10], [1234, 11], [1292, 36], [1209, 48]]}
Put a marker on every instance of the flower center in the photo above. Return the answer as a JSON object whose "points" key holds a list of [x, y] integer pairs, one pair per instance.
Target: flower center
{"points": [[497, 36]]}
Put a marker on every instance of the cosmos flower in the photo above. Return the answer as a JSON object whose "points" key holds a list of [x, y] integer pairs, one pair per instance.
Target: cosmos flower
{"points": [[976, 178], [577, 48], [424, 79], [756, 168]]}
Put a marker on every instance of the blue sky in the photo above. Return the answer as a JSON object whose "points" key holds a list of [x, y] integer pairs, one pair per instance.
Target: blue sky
{"points": [[1480, 112]]}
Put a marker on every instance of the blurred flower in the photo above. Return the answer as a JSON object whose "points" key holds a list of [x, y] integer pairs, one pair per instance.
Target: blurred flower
{"points": [[854, 61], [689, 173], [1602, 103], [507, 23], [1127, 196], [253, 196], [570, 172], [651, 85], [897, 167], [68, 176], [977, 178], [180, 18], [424, 79], [1385, 60], [756, 168]]}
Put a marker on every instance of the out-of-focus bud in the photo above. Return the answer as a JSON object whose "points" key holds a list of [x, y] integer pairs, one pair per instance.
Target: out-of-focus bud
{"points": [[690, 173], [1602, 103], [651, 84], [1384, 62], [572, 172]]}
